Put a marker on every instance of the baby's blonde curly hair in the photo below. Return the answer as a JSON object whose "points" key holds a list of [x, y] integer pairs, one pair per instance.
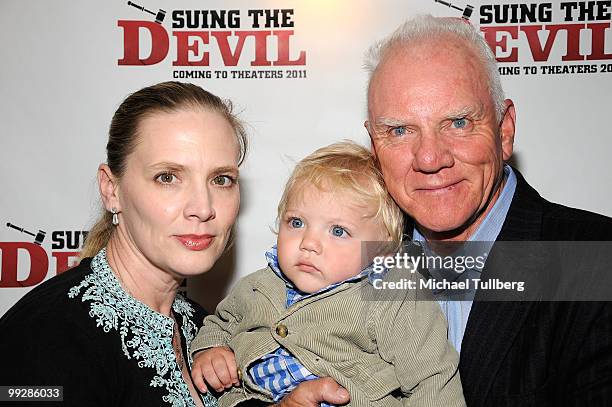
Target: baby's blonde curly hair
{"points": [[350, 168]]}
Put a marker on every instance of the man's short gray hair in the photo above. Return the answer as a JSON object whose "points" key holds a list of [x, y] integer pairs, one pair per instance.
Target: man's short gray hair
{"points": [[427, 27]]}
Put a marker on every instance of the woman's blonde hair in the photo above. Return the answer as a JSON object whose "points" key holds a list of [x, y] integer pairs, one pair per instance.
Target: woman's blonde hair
{"points": [[349, 168], [165, 97]]}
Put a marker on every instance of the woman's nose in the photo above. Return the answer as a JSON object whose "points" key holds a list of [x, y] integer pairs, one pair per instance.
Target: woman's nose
{"points": [[200, 205]]}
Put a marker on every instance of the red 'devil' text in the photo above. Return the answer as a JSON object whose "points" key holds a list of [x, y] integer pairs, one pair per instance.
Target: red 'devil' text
{"points": [[193, 48]]}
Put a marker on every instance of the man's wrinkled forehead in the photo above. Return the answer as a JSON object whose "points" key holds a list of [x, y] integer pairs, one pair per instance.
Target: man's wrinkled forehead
{"points": [[435, 57], [422, 51]]}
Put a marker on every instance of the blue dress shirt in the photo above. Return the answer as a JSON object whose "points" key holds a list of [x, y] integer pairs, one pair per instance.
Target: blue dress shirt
{"points": [[457, 312]]}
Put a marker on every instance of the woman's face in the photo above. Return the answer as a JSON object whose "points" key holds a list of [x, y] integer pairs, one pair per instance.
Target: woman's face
{"points": [[179, 195]]}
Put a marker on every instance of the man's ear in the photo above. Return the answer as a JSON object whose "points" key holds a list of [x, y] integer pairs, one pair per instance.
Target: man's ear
{"points": [[109, 188], [507, 129], [366, 124]]}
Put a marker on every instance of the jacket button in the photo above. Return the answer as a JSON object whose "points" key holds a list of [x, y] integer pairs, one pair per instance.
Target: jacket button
{"points": [[239, 373], [282, 330]]}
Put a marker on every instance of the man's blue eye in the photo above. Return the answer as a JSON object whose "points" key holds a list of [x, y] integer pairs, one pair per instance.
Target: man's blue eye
{"points": [[296, 223], [399, 131], [459, 123], [338, 231]]}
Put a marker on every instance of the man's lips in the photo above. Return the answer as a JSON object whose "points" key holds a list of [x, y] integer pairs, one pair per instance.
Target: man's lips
{"points": [[439, 188], [195, 242]]}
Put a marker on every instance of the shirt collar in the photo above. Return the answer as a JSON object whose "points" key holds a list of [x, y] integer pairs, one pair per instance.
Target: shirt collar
{"points": [[293, 293]]}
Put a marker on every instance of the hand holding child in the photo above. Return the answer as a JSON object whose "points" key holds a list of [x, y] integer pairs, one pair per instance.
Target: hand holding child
{"points": [[215, 366]]}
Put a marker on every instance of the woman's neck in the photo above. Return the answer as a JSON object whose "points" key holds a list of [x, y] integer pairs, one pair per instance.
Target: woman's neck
{"points": [[142, 280]]}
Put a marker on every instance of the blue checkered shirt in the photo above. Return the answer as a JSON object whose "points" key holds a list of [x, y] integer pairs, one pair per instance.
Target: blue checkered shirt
{"points": [[280, 372]]}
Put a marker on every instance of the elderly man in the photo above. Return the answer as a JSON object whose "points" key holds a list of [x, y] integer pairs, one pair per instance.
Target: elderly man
{"points": [[442, 131]]}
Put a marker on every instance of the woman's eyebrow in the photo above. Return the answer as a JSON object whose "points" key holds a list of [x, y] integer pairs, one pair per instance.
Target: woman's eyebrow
{"points": [[226, 168], [168, 165]]}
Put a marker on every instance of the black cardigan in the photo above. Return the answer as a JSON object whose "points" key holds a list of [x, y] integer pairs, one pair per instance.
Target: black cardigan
{"points": [[48, 338]]}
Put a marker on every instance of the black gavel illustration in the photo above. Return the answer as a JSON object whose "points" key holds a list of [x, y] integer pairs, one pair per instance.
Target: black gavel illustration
{"points": [[467, 12], [159, 17], [38, 238]]}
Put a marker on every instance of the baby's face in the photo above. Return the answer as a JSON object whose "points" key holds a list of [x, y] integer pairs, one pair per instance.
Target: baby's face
{"points": [[319, 238]]}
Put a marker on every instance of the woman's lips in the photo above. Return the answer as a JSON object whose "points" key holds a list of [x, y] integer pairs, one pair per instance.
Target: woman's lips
{"points": [[195, 242]]}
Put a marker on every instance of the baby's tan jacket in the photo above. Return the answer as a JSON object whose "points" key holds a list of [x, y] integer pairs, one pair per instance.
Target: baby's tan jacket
{"points": [[386, 347]]}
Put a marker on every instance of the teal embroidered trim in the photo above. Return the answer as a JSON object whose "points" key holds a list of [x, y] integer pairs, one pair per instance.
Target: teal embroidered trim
{"points": [[146, 335]]}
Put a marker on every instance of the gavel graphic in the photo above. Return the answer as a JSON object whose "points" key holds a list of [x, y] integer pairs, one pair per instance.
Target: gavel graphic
{"points": [[467, 12], [159, 17], [38, 238]]}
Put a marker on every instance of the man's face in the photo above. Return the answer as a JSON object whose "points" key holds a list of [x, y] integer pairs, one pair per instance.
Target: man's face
{"points": [[434, 131]]}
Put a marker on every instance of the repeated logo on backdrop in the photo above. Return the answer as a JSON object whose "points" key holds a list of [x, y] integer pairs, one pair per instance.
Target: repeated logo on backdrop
{"points": [[215, 44], [28, 246], [546, 38]]}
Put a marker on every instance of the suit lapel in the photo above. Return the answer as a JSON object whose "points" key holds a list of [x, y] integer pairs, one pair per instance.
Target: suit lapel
{"points": [[493, 326], [524, 219]]}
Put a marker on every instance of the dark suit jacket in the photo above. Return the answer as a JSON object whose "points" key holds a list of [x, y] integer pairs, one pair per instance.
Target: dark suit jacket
{"points": [[540, 353]]}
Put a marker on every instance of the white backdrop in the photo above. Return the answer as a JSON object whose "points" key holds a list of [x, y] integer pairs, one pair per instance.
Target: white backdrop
{"points": [[61, 82]]}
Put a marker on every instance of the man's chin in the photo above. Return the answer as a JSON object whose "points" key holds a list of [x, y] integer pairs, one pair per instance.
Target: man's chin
{"points": [[442, 230]]}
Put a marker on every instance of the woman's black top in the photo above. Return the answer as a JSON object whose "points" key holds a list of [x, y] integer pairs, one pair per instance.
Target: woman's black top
{"points": [[82, 331]]}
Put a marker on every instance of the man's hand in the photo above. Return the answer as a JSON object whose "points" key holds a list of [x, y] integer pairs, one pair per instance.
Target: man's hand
{"points": [[216, 366], [311, 393]]}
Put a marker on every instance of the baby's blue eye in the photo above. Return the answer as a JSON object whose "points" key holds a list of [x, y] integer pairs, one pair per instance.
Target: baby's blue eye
{"points": [[338, 231], [459, 123], [296, 223], [399, 131]]}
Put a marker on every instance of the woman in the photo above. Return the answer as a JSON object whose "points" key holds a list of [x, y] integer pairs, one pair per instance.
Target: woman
{"points": [[113, 330]]}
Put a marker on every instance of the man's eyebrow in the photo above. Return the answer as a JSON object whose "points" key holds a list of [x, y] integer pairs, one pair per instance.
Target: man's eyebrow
{"points": [[466, 111], [388, 121]]}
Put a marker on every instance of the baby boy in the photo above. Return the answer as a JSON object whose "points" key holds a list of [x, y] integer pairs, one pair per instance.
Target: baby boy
{"points": [[314, 312]]}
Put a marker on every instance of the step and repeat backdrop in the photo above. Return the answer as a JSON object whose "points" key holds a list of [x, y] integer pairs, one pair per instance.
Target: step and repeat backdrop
{"points": [[293, 69]]}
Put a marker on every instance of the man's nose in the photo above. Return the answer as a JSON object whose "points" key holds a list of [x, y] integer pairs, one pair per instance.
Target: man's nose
{"points": [[432, 153], [200, 205], [311, 242]]}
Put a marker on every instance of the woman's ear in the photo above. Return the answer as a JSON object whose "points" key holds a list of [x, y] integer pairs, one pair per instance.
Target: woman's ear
{"points": [[109, 188]]}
